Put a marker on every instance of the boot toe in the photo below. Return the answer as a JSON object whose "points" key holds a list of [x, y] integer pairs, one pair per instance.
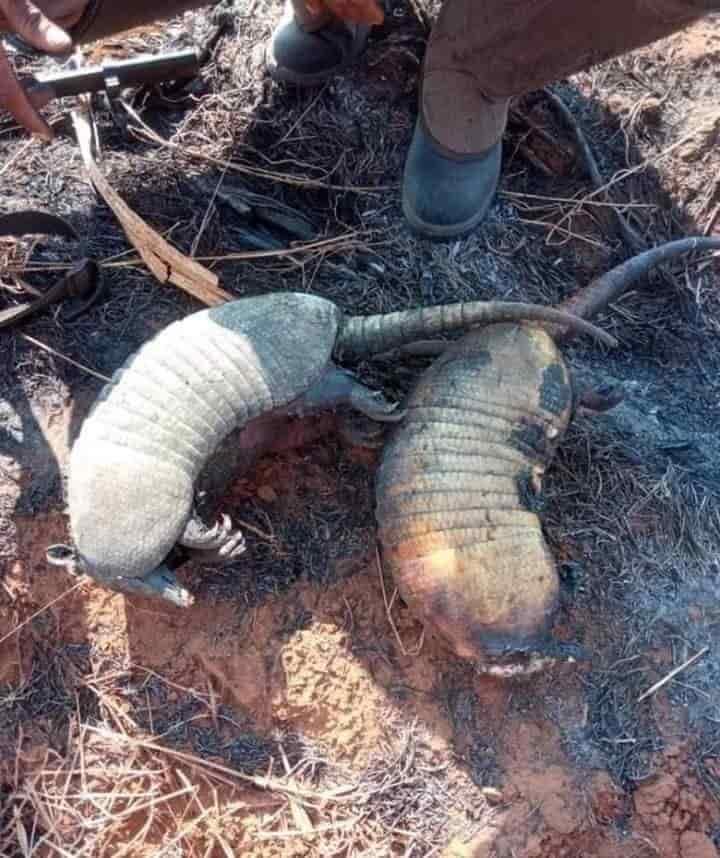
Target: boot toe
{"points": [[296, 56], [444, 197]]}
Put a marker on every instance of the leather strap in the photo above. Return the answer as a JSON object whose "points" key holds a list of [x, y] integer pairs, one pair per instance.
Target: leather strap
{"points": [[32, 222], [83, 281]]}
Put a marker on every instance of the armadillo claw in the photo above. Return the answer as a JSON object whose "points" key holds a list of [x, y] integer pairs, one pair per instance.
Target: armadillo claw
{"points": [[164, 584], [198, 537], [226, 547], [373, 404], [233, 547]]}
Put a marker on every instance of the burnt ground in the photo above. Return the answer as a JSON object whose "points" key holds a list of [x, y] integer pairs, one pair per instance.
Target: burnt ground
{"points": [[288, 663]]}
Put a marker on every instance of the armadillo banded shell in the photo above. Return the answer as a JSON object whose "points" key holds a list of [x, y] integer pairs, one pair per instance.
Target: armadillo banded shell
{"points": [[457, 486], [153, 428]]}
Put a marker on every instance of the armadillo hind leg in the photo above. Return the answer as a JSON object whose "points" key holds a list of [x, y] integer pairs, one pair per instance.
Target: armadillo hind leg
{"points": [[357, 430], [599, 400], [161, 583], [218, 544], [338, 387]]}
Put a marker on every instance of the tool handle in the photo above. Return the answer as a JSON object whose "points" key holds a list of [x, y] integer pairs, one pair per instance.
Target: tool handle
{"points": [[121, 73]]}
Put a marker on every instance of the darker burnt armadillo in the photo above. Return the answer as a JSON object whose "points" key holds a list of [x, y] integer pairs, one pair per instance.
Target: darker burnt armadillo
{"points": [[134, 465], [459, 486]]}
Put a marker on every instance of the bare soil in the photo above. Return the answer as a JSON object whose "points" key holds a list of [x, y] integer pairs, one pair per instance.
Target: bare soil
{"points": [[299, 664]]}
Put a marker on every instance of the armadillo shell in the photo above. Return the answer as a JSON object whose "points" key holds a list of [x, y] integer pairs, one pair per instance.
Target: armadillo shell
{"points": [[458, 489], [168, 408]]}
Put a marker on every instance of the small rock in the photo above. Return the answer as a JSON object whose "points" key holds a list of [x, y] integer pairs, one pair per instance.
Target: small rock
{"points": [[482, 846], [267, 493], [492, 795]]}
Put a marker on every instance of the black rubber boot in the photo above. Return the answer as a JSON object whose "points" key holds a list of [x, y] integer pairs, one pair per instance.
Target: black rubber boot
{"points": [[446, 197], [304, 58]]}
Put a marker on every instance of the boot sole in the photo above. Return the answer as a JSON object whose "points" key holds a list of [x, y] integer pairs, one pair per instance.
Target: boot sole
{"points": [[284, 75], [434, 232]]}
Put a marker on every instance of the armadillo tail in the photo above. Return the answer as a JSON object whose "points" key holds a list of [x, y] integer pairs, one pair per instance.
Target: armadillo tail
{"points": [[363, 336], [610, 286]]}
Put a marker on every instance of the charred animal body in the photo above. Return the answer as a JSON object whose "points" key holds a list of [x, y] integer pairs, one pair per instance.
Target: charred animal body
{"points": [[460, 483], [134, 466]]}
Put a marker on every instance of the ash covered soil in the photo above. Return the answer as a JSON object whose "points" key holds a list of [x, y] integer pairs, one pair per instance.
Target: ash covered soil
{"points": [[298, 708]]}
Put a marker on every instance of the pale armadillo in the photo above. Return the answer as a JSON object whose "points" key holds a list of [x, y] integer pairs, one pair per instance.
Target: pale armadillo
{"points": [[134, 465], [460, 482]]}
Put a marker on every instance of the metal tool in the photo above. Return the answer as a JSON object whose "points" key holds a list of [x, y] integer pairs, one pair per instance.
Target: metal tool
{"points": [[113, 76], [83, 281]]}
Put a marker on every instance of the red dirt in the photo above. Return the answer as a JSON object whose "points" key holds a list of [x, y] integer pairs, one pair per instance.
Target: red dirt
{"points": [[324, 663]]}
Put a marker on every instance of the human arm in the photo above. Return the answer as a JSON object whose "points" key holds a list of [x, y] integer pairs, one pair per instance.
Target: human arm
{"points": [[55, 26], [45, 29]]}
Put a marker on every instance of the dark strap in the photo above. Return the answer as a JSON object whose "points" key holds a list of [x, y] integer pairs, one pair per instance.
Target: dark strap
{"points": [[30, 222], [84, 280]]}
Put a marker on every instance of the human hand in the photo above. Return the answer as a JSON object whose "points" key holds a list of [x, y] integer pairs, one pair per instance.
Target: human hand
{"points": [[40, 24]]}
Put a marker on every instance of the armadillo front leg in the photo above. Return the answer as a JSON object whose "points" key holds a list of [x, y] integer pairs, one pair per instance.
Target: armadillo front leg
{"points": [[337, 387], [218, 544]]}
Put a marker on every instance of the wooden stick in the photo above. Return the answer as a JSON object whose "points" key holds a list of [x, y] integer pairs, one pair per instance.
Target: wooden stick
{"points": [[633, 242], [265, 783], [164, 261], [673, 673], [388, 612], [41, 611]]}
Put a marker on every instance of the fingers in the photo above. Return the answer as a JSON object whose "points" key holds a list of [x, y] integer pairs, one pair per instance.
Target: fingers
{"points": [[358, 11], [20, 104], [25, 19], [40, 94]]}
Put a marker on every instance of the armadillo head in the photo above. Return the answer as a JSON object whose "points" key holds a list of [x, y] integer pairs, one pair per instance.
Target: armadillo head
{"points": [[516, 661]]}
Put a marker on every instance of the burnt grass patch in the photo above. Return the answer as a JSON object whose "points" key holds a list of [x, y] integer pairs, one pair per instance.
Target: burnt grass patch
{"points": [[49, 698]]}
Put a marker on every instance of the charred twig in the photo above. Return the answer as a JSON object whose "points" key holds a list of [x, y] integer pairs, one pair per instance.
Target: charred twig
{"points": [[145, 132], [712, 220], [630, 237], [55, 353], [567, 152], [673, 673]]}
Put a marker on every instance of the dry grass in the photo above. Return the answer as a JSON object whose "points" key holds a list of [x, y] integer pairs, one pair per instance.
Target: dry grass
{"points": [[118, 790]]}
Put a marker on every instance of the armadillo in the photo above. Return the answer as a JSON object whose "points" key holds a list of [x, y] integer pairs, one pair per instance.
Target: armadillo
{"points": [[459, 486], [134, 465]]}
